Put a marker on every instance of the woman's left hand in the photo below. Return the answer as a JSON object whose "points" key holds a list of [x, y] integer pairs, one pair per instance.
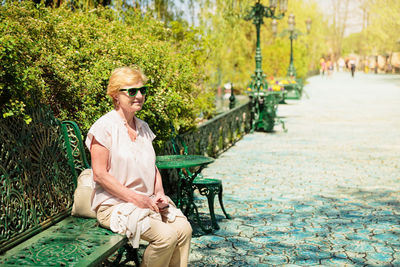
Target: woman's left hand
{"points": [[161, 197]]}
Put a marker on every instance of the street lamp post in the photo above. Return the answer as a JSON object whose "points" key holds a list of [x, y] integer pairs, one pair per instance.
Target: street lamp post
{"points": [[293, 33], [262, 116], [294, 89], [293, 36]]}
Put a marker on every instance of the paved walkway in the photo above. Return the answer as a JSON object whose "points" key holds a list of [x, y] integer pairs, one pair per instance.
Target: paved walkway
{"points": [[327, 192]]}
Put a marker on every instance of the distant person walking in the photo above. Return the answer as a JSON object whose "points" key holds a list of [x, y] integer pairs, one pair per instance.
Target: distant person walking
{"points": [[329, 67], [342, 64], [352, 64], [322, 66]]}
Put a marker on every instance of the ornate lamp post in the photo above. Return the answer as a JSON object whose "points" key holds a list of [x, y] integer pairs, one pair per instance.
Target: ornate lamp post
{"points": [[262, 115], [293, 33], [292, 90]]}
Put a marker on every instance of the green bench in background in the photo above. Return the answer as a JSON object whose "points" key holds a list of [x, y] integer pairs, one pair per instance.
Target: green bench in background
{"points": [[293, 90], [40, 163]]}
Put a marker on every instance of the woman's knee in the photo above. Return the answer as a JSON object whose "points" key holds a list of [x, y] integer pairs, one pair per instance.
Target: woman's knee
{"points": [[187, 230], [167, 237], [183, 228]]}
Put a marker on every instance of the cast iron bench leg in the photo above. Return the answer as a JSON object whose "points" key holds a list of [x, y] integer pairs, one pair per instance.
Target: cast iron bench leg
{"points": [[131, 255], [222, 204], [119, 256], [210, 189], [210, 198]]}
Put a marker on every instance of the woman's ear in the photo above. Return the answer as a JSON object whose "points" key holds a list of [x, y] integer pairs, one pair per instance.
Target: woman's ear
{"points": [[115, 101]]}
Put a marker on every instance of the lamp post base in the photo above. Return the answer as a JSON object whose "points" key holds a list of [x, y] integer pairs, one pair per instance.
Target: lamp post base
{"points": [[291, 70]]}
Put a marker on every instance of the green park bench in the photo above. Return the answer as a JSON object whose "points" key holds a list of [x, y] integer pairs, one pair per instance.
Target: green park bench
{"points": [[40, 163], [294, 90], [39, 166]]}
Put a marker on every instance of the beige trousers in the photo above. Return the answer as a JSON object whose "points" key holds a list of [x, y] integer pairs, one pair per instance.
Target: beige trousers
{"points": [[169, 242]]}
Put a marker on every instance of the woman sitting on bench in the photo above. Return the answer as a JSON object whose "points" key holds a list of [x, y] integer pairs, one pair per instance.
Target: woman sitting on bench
{"points": [[129, 196]]}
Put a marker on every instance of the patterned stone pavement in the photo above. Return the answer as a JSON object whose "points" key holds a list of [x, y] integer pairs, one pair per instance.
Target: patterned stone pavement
{"points": [[325, 193]]}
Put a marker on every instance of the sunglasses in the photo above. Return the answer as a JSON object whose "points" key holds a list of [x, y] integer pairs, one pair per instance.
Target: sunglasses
{"points": [[133, 91]]}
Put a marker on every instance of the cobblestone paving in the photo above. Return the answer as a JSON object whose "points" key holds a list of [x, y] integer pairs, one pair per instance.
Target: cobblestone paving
{"points": [[324, 193]]}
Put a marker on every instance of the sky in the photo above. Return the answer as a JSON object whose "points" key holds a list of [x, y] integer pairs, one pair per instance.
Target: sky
{"points": [[355, 20]]}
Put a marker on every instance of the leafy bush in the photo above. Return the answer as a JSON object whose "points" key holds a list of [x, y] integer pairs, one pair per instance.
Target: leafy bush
{"points": [[64, 59]]}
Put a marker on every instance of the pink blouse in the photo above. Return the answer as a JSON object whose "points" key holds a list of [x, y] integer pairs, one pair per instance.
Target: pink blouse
{"points": [[131, 163]]}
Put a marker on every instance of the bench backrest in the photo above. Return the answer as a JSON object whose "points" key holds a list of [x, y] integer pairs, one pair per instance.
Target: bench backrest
{"points": [[37, 180]]}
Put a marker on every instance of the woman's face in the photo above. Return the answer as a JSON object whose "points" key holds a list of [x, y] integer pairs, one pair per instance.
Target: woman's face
{"points": [[130, 103]]}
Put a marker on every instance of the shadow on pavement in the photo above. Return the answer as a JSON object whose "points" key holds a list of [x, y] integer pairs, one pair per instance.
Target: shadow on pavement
{"points": [[360, 227]]}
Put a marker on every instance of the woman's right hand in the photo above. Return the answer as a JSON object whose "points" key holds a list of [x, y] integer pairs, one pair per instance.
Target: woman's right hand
{"points": [[144, 202]]}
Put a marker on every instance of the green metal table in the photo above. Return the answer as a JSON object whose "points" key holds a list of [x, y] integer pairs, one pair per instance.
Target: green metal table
{"points": [[185, 182]]}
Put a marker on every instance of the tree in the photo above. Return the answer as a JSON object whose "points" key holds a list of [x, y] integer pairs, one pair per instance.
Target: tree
{"points": [[339, 17], [380, 30], [384, 25], [233, 40]]}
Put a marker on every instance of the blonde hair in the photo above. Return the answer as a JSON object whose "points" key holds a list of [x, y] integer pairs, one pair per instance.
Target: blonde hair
{"points": [[121, 77]]}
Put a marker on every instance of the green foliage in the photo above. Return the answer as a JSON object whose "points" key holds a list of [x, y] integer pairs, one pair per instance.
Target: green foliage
{"points": [[231, 55], [354, 44], [234, 41], [307, 47], [17, 108], [381, 31], [64, 59]]}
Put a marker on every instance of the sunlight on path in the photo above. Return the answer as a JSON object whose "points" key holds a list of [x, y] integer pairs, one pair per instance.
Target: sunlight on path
{"points": [[326, 192]]}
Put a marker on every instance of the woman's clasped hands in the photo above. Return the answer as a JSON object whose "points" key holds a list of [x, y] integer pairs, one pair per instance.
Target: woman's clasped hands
{"points": [[157, 203]]}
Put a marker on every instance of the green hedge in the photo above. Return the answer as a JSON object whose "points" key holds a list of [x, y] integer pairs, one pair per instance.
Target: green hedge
{"points": [[64, 59]]}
